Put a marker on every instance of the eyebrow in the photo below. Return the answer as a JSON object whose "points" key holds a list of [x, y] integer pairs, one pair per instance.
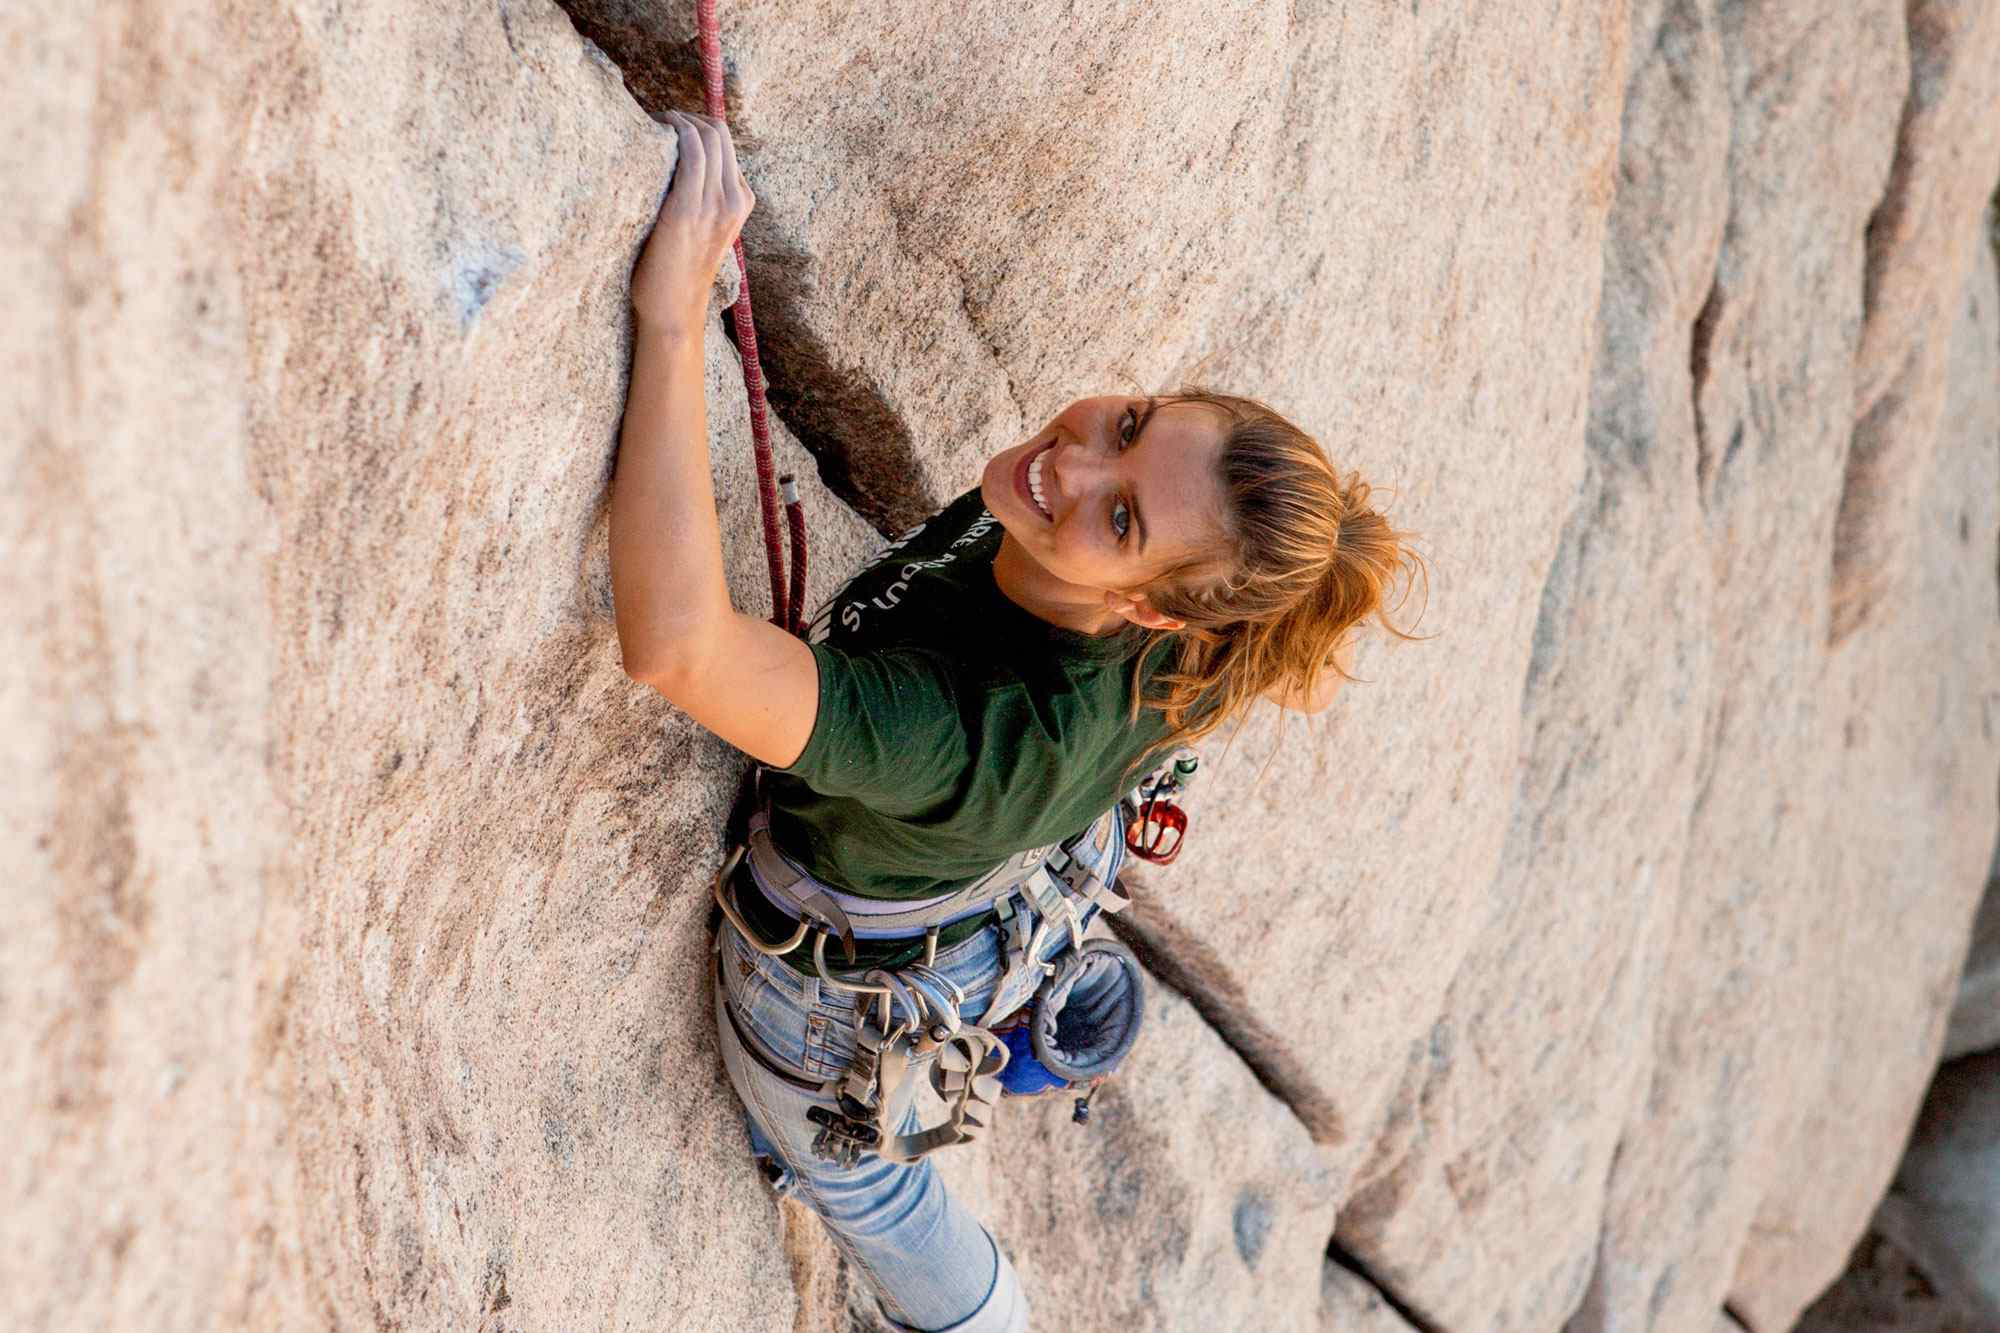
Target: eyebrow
{"points": [[1152, 406]]}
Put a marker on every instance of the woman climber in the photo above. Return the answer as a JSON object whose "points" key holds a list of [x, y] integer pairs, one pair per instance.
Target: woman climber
{"points": [[939, 819]]}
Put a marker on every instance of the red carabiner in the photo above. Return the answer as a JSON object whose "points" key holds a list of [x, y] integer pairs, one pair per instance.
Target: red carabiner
{"points": [[1159, 832]]}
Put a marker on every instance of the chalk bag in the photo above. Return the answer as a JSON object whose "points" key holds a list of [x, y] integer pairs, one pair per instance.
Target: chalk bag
{"points": [[1084, 1019]]}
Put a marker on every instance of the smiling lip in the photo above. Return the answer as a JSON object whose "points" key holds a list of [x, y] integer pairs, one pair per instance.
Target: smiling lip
{"points": [[1021, 480]]}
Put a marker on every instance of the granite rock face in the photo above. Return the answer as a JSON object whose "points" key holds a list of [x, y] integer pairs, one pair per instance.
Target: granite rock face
{"points": [[361, 975], [1867, 973], [1128, 1223], [1928, 214], [1583, 968]]}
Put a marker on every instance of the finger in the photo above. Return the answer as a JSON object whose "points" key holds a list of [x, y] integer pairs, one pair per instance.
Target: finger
{"points": [[715, 180], [705, 126], [714, 134], [690, 175], [742, 202]]}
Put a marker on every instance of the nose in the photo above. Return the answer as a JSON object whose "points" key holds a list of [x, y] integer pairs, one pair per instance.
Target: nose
{"points": [[1075, 469]]}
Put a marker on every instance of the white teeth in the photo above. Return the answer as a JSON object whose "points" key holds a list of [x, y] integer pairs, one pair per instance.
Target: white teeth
{"points": [[1035, 484]]}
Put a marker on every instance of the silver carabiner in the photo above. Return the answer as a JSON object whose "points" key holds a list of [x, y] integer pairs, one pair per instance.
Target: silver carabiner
{"points": [[727, 902]]}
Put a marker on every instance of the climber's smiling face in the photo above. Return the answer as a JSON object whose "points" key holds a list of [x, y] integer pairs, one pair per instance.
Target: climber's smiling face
{"points": [[1112, 494]]}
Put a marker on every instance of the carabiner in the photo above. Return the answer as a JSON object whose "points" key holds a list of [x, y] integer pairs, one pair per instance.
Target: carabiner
{"points": [[1159, 832]]}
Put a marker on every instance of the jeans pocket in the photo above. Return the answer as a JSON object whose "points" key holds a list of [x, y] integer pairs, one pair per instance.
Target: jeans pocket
{"points": [[815, 1040], [829, 1040], [771, 1013]]}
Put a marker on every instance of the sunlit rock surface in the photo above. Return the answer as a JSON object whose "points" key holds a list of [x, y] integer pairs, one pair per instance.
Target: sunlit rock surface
{"points": [[1584, 967]]}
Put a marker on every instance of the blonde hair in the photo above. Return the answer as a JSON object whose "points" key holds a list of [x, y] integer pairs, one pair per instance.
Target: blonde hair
{"points": [[1305, 559]]}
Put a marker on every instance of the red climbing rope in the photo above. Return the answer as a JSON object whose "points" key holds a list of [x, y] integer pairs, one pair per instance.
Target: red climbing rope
{"points": [[796, 512], [787, 608]]}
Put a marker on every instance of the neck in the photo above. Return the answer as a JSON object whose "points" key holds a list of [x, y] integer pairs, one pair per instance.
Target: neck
{"points": [[1042, 595]]}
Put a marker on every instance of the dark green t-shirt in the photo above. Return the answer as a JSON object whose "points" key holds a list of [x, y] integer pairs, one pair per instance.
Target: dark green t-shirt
{"points": [[954, 728]]}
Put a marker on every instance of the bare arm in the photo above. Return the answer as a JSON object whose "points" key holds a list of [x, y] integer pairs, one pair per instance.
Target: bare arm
{"points": [[744, 679]]}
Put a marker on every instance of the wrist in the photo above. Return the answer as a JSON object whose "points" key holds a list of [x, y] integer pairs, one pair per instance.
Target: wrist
{"points": [[685, 324]]}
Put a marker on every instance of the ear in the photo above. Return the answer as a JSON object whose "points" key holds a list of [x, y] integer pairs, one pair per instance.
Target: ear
{"points": [[1137, 609]]}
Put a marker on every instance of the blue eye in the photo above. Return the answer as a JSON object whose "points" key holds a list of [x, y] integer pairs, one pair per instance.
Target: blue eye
{"points": [[1128, 426], [1121, 519]]}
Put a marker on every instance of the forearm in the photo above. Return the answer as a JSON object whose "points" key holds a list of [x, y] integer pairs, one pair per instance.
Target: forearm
{"points": [[667, 583]]}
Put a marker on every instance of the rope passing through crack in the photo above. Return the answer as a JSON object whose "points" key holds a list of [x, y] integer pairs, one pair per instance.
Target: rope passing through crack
{"points": [[787, 602]]}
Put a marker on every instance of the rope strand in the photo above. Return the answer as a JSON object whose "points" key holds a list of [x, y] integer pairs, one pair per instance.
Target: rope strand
{"points": [[795, 513], [787, 606]]}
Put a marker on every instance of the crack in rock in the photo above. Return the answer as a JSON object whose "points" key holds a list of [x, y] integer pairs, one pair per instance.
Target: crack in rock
{"points": [[1899, 392], [1701, 352], [1339, 1254], [1190, 965], [865, 450], [660, 74]]}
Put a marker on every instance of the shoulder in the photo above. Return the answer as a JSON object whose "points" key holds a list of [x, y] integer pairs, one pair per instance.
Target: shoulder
{"points": [[905, 677], [888, 729]]}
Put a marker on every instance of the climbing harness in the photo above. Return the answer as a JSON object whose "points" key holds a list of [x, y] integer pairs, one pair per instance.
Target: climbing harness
{"points": [[910, 1018], [913, 1021], [787, 606], [848, 917], [1064, 1014], [1159, 825]]}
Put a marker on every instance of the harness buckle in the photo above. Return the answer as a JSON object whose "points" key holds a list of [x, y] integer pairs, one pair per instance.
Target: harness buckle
{"points": [[842, 1138]]}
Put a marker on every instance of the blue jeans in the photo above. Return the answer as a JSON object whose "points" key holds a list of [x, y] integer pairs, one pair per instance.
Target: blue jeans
{"points": [[929, 1261]]}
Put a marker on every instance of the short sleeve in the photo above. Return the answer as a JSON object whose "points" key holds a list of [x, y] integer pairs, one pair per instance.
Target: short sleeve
{"points": [[888, 733]]}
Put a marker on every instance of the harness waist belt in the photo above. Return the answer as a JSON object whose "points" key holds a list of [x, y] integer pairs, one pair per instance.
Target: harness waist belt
{"points": [[848, 915]]}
